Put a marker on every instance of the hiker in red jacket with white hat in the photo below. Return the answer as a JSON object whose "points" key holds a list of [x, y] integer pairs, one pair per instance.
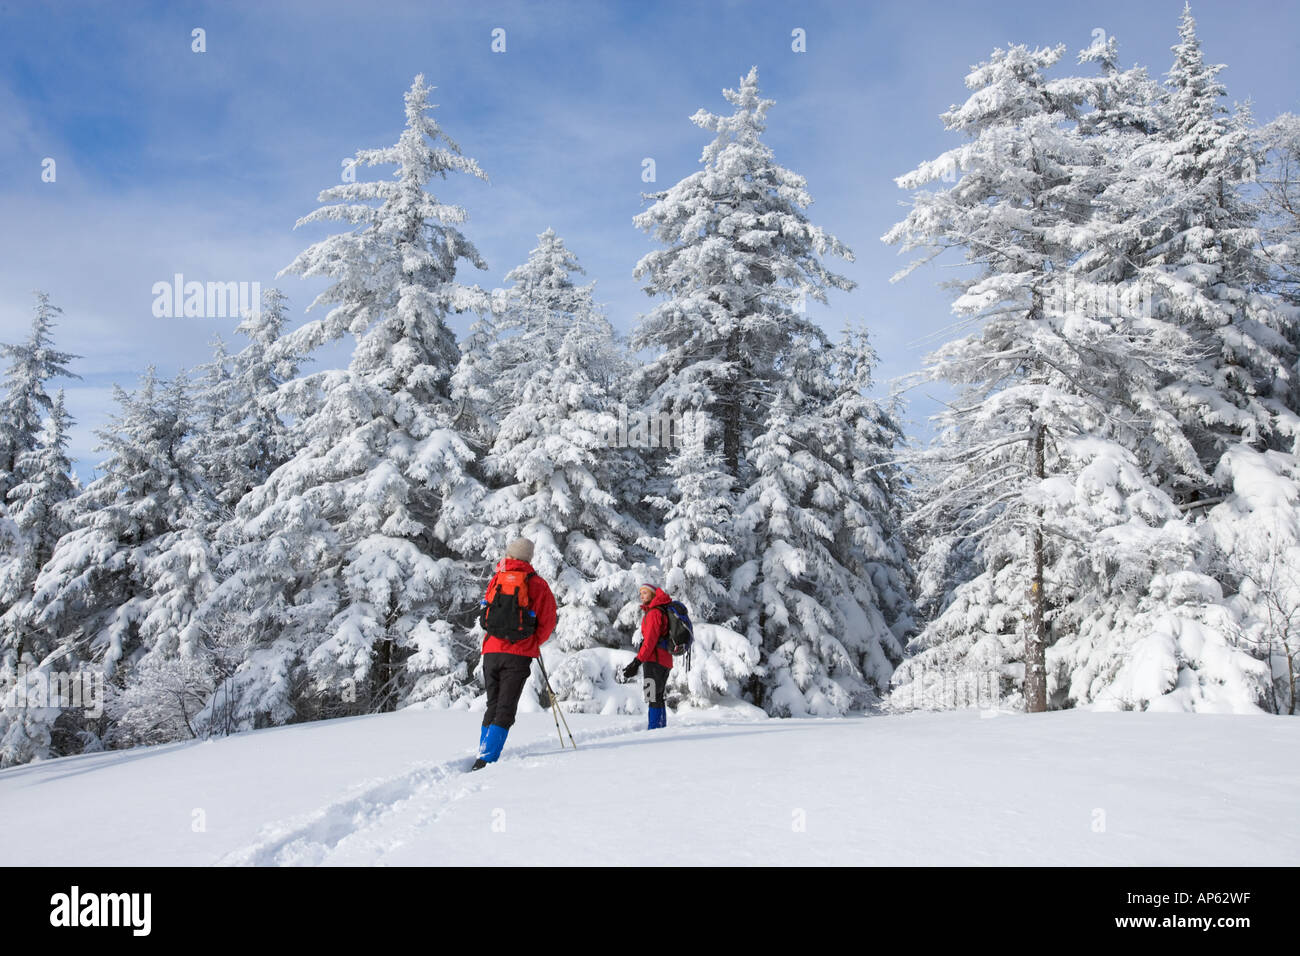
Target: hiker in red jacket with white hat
{"points": [[518, 615], [656, 660]]}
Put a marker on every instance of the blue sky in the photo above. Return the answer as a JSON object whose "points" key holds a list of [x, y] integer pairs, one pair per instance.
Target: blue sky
{"points": [[174, 161]]}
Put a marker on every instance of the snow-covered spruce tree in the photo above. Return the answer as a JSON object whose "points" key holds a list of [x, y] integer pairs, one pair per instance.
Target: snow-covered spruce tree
{"points": [[346, 574], [865, 441], [741, 258], [246, 439], [94, 605], [238, 439], [992, 445], [37, 506], [1257, 524], [520, 338], [31, 365], [95, 588], [1175, 227], [545, 401], [1153, 631], [829, 562], [1039, 499], [234, 438], [1178, 212]]}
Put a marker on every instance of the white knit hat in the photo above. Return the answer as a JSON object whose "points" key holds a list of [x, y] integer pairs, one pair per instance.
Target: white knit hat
{"points": [[521, 549]]}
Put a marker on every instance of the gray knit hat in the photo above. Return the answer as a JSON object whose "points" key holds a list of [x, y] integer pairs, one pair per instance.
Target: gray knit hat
{"points": [[521, 549]]}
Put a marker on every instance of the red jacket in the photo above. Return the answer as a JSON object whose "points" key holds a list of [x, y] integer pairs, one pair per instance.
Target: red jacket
{"points": [[540, 599], [654, 627]]}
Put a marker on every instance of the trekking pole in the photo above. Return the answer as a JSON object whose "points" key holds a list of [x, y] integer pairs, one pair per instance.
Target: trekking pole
{"points": [[556, 713]]}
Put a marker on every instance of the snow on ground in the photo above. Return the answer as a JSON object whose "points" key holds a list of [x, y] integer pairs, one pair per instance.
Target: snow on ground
{"points": [[967, 787]]}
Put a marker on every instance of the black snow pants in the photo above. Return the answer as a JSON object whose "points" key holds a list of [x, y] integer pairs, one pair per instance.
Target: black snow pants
{"points": [[505, 676], [653, 683]]}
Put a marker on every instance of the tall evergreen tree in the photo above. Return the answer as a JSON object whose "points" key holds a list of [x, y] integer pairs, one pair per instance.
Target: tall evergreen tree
{"points": [[1180, 215], [37, 505], [520, 336], [94, 591], [1015, 188], [828, 562], [741, 261], [1173, 227], [31, 365], [1059, 391], [347, 568], [94, 606]]}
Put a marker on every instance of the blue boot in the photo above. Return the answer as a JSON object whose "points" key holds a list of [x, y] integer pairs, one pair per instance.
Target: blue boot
{"points": [[479, 762], [658, 717], [494, 738]]}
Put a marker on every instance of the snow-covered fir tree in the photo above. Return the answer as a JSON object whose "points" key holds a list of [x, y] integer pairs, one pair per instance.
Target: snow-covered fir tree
{"points": [[740, 262], [521, 333], [1180, 214], [346, 574], [37, 506], [31, 365], [864, 439], [95, 589], [1041, 506], [1174, 225], [234, 439], [94, 603], [1256, 525], [829, 563], [1157, 350], [1007, 197]]}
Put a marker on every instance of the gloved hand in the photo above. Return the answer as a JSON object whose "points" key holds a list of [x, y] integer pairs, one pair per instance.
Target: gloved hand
{"points": [[630, 671]]}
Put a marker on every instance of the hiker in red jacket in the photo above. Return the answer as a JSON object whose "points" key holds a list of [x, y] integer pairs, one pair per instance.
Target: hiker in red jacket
{"points": [[655, 658], [518, 616]]}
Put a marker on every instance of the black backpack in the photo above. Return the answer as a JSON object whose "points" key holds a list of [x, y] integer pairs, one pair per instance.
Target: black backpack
{"points": [[505, 613], [680, 634]]}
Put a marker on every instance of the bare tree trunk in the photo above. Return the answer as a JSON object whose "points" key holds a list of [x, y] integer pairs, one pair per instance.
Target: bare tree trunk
{"points": [[379, 701], [754, 686], [731, 409], [1036, 639], [1291, 674]]}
